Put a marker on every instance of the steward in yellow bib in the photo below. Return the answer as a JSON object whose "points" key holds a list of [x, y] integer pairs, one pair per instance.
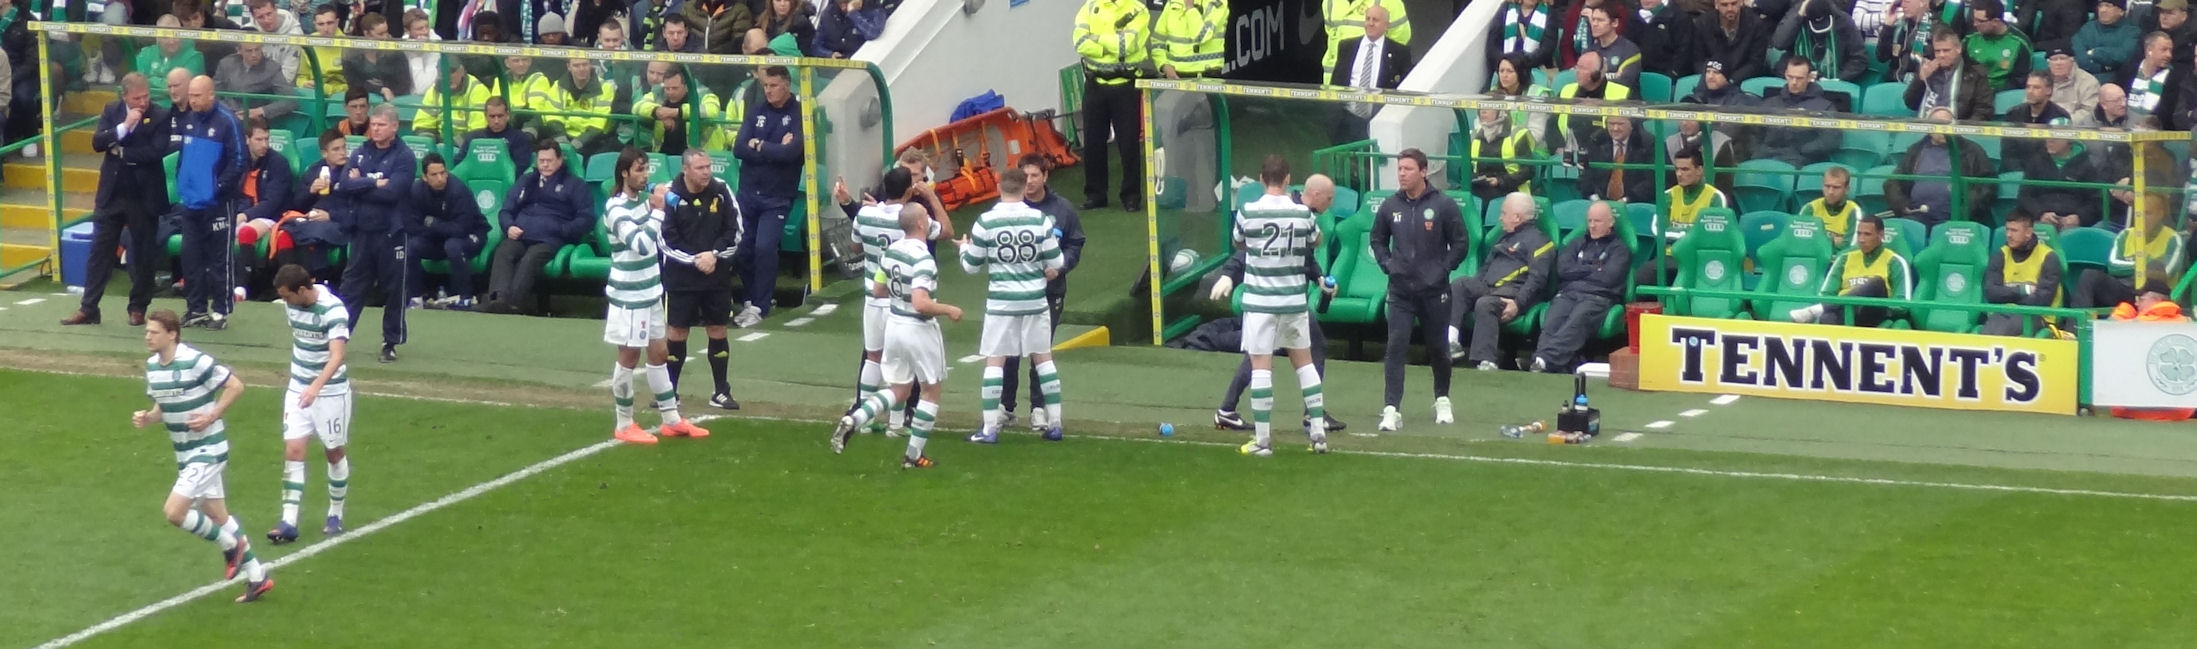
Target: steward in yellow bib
{"points": [[1111, 37], [1868, 270], [468, 99], [2160, 248], [2024, 272], [583, 102], [1496, 152], [1191, 38], [668, 110]]}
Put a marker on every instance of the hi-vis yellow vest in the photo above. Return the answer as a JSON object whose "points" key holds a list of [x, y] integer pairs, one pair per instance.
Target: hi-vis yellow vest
{"points": [[1682, 210], [1191, 35], [1615, 91], [2017, 273], [1111, 37], [1516, 145], [1839, 223], [1859, 267]]}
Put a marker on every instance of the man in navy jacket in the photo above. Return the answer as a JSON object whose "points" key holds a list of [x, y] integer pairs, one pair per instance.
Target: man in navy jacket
{"points": [[265, 192], [769, 150], [547, 210], [133, 193], [380, 183], [445, 223]]}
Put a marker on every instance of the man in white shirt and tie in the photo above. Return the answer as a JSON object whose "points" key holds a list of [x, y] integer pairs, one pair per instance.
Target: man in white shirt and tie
{"points": [[1369, 62]]}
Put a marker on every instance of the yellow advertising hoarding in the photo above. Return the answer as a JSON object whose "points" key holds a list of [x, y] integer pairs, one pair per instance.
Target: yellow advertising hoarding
{"points": [[1858, 365]]}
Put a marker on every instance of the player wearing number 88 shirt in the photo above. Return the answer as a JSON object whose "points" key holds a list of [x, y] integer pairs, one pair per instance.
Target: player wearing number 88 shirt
{"points": [[1014, 244], [1277, 234], [876, 228]]}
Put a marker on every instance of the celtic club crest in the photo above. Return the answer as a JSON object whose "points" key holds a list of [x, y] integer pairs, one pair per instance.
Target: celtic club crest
{"points": [[1713, 271], [2172, 364]]}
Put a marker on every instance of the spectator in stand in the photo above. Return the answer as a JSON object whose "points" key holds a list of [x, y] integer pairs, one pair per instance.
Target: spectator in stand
{"points": [[2112, 110], [179, 95], [587, 102], [2052, 24], [1823, 34], [529, 91], [1690, 134], [1800, 146], [523, 17], [1867, 270], [669, 108], [1507, 284], [1588, 83], [1618, 143], [326, 65], [647, 19], [487, 29], [794, 17], [1418, 238], [210, 163], [21, 49], [463, 95], [701, 232], [380, 73], [1950, 81], [1931, 201], [268, 18], [132, 137], [1667, 38], [1576, 31], [720, 24], [1904, 43], [675, 36], [1871, 16], [1524, 28], [2024, 272], [249, 71], [1735, 36], [264, 194], [769, 149], [1590, 280], [1837, 214], [1369, 61], [2172, 18], [547, 210], [168, 54], [1496, 150], [845, 26], [1718, 89], [1318, 194], [1514, 78], [2060, 161], [380, 184], [2108, 42], [517, 144], [423, 66], [2001, 50], [1620, 56], [189, 14], [589, 16], [2036, 109], [2072, 88], [320, 219], [550, 30], [2154, 86], [1344, 20], [444, 222]]}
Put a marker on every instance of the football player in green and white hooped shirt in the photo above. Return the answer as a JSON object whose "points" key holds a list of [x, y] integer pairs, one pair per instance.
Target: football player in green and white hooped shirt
{"points": [[1277, 234], [915, 351], [1014, 245], [876, 227], [318, 402], [634, 321], [190, 391]]}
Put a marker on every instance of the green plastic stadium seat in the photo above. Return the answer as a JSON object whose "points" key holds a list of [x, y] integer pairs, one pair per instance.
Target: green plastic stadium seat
{"points": [[2084, 248], [2006, 100], [1684, 86], [1642, 218], [2010, 190], [1843, 93], [1559, 183], [600, 167], [1863, 149], [1888, 99], [725, 168], [1571, 215], [1951, 270], [1361, 287], [1759, 229], [1759, 85], [1793, 266], [1710, 256], [489, 154], [1655, 88], [1869, 189], [1763, 185], [1904, 236]]}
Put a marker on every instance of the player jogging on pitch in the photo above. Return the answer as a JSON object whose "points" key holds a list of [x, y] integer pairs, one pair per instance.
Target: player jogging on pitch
{"points": [[318, 402], [635, 317], [1277, 234], [914, 350], [876, 227], [190, 391], [1014, 246]]}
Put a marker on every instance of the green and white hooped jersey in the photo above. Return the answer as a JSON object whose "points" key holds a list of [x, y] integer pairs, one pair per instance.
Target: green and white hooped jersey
{"points": [[1276, 234], [311, 329], [877, 227], [908, 266], [1014, 245], [187, 385], [636, 237]]}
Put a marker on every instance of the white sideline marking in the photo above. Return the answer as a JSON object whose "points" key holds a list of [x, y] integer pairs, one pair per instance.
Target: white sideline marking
{"points": [[801, 321], [2, 308], [824, 310], [1659, 424], [309, 551], [61, 294], [603, 383], [1627, 437], [1693, 413], [752, 337], [971, 358], [30, 301], [1725, 400]]}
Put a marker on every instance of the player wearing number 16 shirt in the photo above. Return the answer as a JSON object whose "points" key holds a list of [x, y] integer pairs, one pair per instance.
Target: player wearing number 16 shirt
{"points": [[1014, 244], [876, 228], [1277, 234]]}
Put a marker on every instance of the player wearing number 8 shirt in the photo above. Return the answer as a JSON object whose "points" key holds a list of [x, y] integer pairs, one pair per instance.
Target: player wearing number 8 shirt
{"points": [[1277, 234], [876, 228], [1014, 244], [915, 351]]}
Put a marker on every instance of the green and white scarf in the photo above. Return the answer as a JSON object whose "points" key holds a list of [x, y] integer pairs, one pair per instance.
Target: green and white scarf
{"points": [[1532, 27], [2144, 92]]}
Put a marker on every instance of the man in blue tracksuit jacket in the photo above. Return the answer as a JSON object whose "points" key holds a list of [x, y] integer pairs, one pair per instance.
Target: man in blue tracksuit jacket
{"points": [[379, 182], [447, 224], [209, 165], [769, 150]]}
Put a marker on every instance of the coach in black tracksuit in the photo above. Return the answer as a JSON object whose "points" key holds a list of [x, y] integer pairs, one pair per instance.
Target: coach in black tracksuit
{"points": [[133, 193], [701, 228], [379, 182], [1418, 238]]}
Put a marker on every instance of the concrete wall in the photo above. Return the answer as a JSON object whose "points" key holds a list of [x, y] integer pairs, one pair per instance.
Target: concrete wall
{"points": [[1454, 64], [935, 53]]}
